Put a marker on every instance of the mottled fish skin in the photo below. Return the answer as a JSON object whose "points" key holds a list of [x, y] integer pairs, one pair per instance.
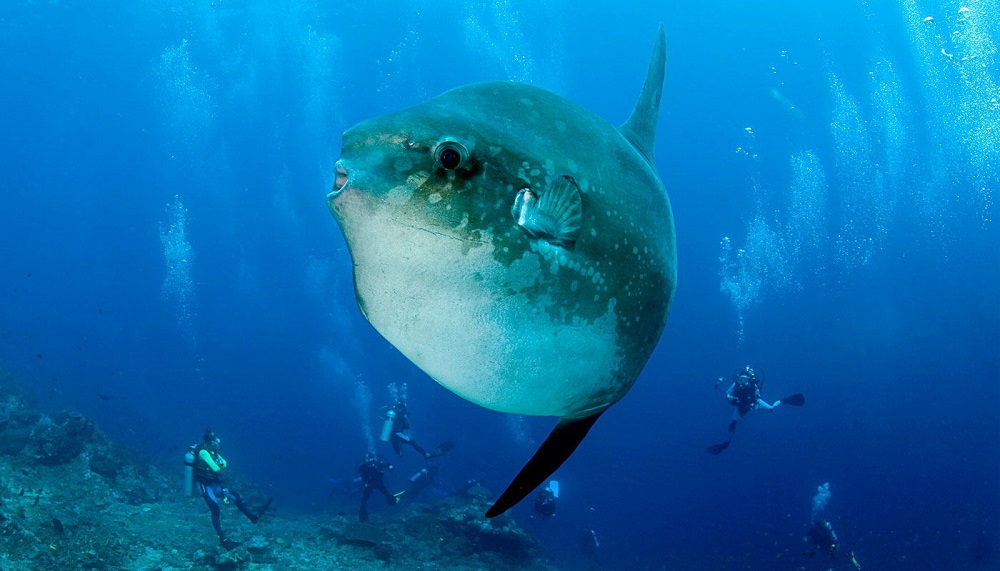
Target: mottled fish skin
{"points": [[444, 273]]}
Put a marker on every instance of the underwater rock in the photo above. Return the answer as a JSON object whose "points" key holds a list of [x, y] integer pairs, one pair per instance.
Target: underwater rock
{"points": [[13, 441], [17, 405], [359, 533], [103, 462], [62, 440], [14, 394]]}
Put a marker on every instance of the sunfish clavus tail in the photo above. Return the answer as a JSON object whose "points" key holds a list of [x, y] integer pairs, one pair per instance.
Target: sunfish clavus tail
{"points": [[516, 247]]}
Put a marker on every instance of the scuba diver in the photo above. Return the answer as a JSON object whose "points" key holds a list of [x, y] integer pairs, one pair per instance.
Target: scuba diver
{"points": [[208, 466], [823, 538], [820, 534], [423, 479], [545, 502], [744, 394], [371, 471], [589, 545], [396, 431]]}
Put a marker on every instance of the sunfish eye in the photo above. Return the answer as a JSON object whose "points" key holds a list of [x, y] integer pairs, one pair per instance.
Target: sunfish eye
{"points": [[450, 155]]}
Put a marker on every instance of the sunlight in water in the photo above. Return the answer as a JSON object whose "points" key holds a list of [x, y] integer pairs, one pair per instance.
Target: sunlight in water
{"points": [[517, 430], [185, 99], [934, 154], [178, 286], [363, 403]]}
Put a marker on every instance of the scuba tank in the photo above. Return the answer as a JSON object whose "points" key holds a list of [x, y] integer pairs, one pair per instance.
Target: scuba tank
{"points": [[554, 486], [390, 417], [189, 471]]}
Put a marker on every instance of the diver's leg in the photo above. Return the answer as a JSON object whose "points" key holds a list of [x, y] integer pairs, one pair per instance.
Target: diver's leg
{"points": [[391, 499], [737, 415], [236, 499], [209, 494], [418, 448], [363, 514]]}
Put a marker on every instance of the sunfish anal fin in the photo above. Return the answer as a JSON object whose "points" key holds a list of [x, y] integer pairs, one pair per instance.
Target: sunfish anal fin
{"points": [[563, 440], [555, 215]]}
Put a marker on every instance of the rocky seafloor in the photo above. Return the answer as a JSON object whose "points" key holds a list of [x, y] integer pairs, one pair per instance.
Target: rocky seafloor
{"points": [[72, 499]]}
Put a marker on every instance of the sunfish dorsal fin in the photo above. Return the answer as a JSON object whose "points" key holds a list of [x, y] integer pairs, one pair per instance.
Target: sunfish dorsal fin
{"points": [[640, 128]]}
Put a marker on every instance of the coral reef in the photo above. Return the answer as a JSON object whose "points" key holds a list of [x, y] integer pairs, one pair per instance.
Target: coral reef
{"points": [[72, 499]]}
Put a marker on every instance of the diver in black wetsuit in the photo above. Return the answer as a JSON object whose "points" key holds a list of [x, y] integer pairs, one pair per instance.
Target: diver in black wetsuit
{"points": [[821, 535], [401, 429], [396, 430], [545, 503], [371, 471], [589, 545], [745, 395]]}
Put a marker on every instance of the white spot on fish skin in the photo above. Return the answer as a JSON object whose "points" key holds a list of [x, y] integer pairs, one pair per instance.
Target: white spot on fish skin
{"points": [[417, 179], [573, 285], [400, 193], [550, 167], [593, 231], [584, 185], [434, 198], [535, 172], [573, 166]]}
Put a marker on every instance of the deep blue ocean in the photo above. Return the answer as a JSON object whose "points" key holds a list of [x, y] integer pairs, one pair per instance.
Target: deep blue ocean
{"points": [[168, 261]]}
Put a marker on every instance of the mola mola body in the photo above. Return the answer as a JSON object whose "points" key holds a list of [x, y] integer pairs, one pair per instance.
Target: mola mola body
{"points": [[516, 247]]}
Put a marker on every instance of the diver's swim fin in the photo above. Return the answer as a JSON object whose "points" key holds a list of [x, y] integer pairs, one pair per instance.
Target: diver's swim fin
{"points": [[443, 448], [263, 510], [717, 449], [562, 441], [798, 399]]}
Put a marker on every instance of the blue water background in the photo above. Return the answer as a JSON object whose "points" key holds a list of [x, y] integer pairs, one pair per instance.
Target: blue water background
{"points": [[168, 262]]}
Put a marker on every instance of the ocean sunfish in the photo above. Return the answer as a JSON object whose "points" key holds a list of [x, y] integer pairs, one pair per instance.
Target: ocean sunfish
{"points": [[516, 247]]}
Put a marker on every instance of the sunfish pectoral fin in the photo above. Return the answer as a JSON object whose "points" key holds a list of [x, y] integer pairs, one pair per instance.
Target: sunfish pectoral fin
{"points": [[563, 440], [640, 128], [555, 215]]}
